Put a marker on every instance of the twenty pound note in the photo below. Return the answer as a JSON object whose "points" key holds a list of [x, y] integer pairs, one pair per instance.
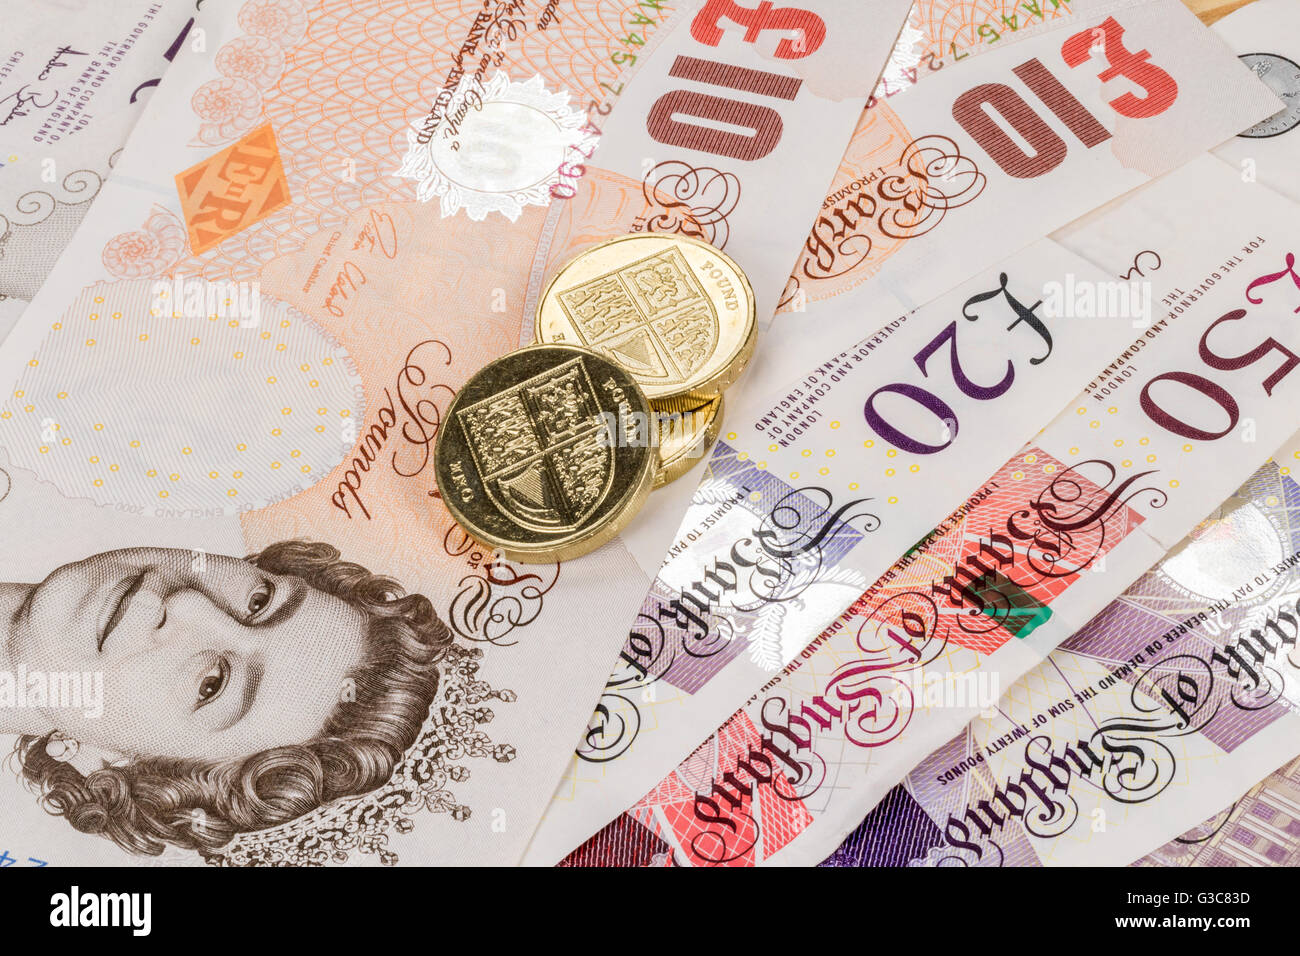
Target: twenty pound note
{"points": [[824, 424], [1036, 550], [329, 217], [1142, 724]]}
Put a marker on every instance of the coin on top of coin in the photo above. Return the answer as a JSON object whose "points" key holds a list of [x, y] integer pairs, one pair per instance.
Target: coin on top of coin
{"points": [[675, 312], [543, 453], [687, 429]]}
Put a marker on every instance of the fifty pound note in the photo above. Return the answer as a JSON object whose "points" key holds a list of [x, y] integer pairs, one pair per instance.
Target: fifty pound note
{"points": [[322, 226], [822, 425]]}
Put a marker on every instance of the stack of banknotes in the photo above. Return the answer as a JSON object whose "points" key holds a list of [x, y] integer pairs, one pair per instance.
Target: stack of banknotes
{"points": [[996, 561]]}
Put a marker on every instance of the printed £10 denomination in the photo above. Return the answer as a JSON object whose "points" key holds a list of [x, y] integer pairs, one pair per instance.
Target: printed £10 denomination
{"points": [[935, 186]]}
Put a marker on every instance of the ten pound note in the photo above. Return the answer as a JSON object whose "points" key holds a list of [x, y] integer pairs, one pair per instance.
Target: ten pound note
{"points": [[1167, 431], [793, 471], [323, 224], [1203, 646], [994, 124]]}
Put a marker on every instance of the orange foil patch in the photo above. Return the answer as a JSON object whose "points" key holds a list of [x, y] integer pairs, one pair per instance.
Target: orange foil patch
{"points": [[231, 190]]}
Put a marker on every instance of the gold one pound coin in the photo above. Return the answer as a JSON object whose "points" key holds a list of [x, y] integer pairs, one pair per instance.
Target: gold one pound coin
{"points": [[675, 312], [543, 453]]}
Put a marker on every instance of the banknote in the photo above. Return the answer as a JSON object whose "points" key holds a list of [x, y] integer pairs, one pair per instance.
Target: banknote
{"points": [[1082, 137], [1260, 829], [1156, 713], [1266, 35], [632, 746], [940, 33], [324, 222], [931, 27], [783, 536], [75, 78], [1116, 480], [920, 203]]}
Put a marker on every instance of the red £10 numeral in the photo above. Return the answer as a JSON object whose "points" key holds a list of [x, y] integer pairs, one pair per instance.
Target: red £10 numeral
{"points": [[810, 27], [974, 108], [1159, 88], [672, 119]]}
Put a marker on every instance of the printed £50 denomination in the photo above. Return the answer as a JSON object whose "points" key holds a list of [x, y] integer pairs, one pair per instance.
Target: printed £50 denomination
{"points": [[76, 77], [923, 187], [1113, 483], [250, 347]]}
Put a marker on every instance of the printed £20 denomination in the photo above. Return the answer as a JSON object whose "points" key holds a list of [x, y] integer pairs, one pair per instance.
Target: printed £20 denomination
{"points": [[1110, 486], [917, 194], [325, 223], [859, 459]]}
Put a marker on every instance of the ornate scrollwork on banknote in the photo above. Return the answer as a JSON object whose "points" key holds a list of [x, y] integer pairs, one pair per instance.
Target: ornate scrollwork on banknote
{"points": [[497, 600], [692, 200], [681, 639], [148, 251], [987, 576], [932, 176], [37, 226], [1193, 667]]}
